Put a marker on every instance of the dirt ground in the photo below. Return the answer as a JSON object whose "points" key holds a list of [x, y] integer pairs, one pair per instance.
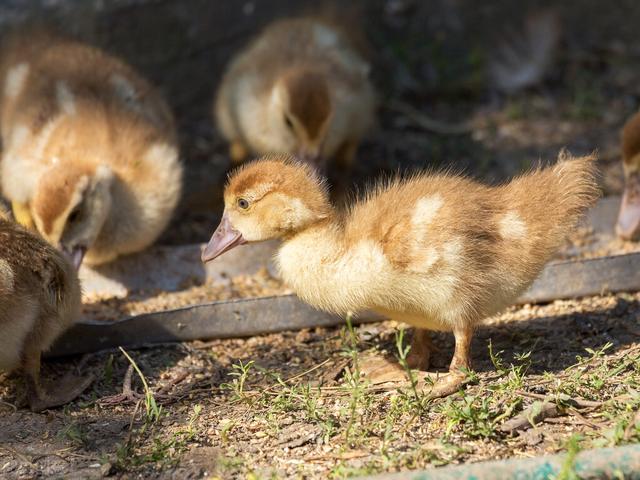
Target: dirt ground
{"points": [[294, 404]]}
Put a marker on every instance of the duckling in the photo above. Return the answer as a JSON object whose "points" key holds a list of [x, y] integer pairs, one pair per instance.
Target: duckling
{"points": [[628, 225], [39, 299], [89, 148], [302, 88], [437, 251]]}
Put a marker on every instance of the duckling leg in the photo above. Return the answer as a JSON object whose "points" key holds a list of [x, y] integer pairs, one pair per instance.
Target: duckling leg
{"points": [[237, 151], [461, 361], [66, 391], [22, 214], [420, 354]]}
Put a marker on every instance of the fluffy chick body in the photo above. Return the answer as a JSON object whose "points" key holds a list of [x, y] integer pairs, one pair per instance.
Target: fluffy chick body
{"points": [[439, 252], [89, 147], [301, 88], [39, 299]]}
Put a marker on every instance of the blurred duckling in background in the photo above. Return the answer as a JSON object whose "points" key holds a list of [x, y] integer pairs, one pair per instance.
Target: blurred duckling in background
{"points": [[89, 148], [628, 226], [300, 88], [440, 252], [39, 299]]}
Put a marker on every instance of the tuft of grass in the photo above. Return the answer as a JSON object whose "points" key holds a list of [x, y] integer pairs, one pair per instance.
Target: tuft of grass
{"points": [[403, 352], [163, 451], [153, 411], [240, 372], [514, 374], [73, 433], [353, 378], [568, 471], [472, 414], [108, 370]]}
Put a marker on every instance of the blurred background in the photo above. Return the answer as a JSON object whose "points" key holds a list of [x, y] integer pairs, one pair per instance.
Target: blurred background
{"points": [[488, 87]]}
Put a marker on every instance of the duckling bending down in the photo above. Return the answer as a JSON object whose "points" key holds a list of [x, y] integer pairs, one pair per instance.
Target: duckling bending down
{"points": [[628, 226], [300, 88], [39, 299], [437, 251], [89, 148]]}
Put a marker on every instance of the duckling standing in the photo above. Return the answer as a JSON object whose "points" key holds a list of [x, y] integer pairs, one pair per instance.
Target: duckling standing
{"points": [[628, 226], [39, 299], [89, 148], [300, 88], [439, 252]]}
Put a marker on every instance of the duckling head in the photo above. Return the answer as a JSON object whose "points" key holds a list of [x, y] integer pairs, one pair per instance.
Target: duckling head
{"points": [[275, 197], [71, 206], [301, 105]]}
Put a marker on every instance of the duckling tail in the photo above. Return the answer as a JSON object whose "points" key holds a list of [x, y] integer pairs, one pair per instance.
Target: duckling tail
{"points": [[575, 181], [551, 200]]}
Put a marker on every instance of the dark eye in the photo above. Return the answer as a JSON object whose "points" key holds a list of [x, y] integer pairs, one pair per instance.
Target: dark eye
{"points": [[74, 216], [243, 203], [288, 122]]}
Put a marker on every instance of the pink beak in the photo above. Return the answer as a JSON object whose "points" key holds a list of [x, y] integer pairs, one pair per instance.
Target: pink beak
{"points": [[75, 255], [223, 239], [628, 226]]}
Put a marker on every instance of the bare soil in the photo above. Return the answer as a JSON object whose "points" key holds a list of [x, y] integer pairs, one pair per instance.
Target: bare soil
{"points": [[301, 409]]}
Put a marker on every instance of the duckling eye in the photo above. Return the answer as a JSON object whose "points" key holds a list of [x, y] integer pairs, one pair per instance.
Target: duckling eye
{"points": [[288, 122], [243, 203], [74, 215]]}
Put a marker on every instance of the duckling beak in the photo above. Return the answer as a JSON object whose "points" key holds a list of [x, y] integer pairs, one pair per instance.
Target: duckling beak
{"points": [[223, 239], [628, 227], [75, 255]]}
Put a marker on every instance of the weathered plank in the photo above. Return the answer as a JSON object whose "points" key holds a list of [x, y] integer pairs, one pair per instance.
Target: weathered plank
{"points": [[233, 318], [580, 278]]}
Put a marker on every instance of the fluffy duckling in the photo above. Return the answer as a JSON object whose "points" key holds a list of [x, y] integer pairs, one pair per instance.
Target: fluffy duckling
{"points": [[39, 299], [437, 251], [300, 88], [628, 226], [89, 148]]}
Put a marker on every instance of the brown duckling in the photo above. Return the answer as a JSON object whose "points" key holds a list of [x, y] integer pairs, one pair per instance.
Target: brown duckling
{"points": [[437, 251], [39, 299], [301, 87], [90, 157]]}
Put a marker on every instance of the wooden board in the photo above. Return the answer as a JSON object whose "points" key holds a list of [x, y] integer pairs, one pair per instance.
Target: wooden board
{"points": [[233, 318]]}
